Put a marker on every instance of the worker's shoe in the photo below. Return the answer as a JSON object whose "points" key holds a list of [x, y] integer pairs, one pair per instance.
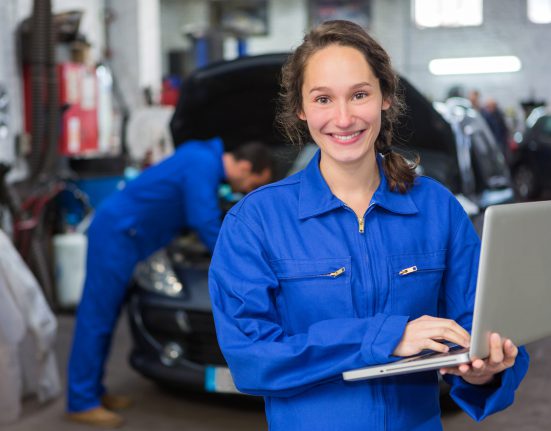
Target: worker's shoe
{"points": [[116, 402], [98, 416]]}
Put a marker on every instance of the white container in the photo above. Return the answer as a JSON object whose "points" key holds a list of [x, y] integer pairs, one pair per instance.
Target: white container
{"points": [[70, 267]]}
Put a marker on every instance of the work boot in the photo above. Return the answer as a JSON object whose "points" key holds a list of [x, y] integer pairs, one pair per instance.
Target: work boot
{"points": [[116, 402], [98, 416]]}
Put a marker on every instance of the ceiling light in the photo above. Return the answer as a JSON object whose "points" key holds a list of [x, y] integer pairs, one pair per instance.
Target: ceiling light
{"points": [[469, 65]]}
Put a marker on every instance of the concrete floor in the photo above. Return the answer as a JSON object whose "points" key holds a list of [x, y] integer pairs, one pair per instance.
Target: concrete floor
{"points": [[162, 411]]}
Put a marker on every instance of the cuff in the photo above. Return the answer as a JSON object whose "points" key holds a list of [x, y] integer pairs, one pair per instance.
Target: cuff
{"points": [[379, 343], [480, 401]]}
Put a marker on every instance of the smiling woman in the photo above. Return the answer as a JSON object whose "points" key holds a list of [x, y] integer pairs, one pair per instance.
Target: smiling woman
{"points": [[342, 106], [303, 278], [339, 71]]}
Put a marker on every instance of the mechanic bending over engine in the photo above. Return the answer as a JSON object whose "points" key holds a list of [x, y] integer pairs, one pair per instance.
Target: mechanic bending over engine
{"points": [[181, 192]]}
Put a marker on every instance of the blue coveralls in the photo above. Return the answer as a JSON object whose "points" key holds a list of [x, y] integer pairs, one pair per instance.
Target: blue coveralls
{"points": [[303, 290], [180, 192]]}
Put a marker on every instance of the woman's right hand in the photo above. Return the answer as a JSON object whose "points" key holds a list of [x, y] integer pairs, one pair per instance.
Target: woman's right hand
{"points": [[428, 332]]}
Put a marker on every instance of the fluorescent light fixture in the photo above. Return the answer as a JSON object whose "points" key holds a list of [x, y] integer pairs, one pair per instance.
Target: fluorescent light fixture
{"points": [[469, 65]]}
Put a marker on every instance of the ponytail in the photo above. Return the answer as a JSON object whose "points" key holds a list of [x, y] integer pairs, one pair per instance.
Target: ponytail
{"points": [[399, 171]]}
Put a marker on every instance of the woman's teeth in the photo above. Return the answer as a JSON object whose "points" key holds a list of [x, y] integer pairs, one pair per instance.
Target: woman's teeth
{"points": [[346, 137]]}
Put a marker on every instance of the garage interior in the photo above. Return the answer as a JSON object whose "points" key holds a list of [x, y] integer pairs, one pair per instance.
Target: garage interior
{"points": [[88, 96]]}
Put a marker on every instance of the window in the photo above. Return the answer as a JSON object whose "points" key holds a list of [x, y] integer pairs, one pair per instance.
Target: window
{"points": [[539, 11], [447, 13]]}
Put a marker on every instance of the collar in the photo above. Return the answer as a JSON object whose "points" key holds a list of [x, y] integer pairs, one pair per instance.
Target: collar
{"points": [[316, 198]]}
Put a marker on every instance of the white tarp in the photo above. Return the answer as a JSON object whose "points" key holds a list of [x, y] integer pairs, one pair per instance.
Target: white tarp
{"points": [[27, 335]]}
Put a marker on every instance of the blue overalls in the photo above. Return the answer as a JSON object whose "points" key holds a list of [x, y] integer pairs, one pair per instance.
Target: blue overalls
{"points": [[179, 192], [303, 290]]}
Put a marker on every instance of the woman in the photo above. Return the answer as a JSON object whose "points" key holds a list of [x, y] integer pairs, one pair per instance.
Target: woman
{"points": [[353, 261]]}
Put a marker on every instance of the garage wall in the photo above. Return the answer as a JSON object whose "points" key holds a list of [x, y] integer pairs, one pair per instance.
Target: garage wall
{"points": [[505, 31], [136, 47], [8, 78], [287, 22]]}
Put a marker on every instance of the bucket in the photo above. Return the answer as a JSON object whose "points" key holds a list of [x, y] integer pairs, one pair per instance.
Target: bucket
{"points": [[70, 267]]}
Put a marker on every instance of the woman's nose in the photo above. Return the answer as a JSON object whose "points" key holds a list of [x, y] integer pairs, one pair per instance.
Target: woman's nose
{"points": [[343, 116]]}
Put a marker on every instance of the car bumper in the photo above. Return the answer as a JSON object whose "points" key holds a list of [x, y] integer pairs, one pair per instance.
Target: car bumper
{"points": [[174, 345]]}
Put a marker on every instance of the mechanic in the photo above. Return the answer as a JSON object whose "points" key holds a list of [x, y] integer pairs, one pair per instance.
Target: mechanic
{"points": [[352, 262], [181, 192]]}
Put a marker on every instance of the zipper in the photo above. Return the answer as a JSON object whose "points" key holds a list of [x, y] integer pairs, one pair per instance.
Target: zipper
{"points": [[361, 224], [333, 274], [412, 269], [407, 271], [336, 273]]}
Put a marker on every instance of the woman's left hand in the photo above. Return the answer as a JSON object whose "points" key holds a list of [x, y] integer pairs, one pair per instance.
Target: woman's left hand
{"points": [[482, 371]]}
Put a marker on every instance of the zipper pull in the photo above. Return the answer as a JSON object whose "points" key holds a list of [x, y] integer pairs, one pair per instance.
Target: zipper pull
{"points": [[337, 272], [361, 224], [407, 271]]}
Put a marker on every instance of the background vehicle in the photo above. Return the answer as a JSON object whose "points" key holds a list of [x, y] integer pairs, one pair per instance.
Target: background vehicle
{"points": [[531, 162], [169, 308], [485, 177]]}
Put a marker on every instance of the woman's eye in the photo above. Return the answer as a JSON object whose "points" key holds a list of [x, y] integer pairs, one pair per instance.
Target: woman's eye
{"points": [[360, 95], [323, 100]]}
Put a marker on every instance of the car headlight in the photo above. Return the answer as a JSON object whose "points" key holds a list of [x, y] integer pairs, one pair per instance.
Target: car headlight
{"points": [[156, 275]]}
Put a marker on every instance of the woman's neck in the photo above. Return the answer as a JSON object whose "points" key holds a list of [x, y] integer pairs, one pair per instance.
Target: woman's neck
{"points": [[353, 183]]}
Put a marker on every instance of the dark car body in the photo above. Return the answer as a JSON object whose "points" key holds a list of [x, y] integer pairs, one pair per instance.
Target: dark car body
{"points": [[169, 308], [485, 177], [531, 160]]}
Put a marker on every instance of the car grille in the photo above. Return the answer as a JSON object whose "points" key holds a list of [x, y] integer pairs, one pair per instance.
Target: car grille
{"points": [[197, 338]]}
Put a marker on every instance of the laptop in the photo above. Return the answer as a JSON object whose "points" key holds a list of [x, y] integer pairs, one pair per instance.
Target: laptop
{"points": [[513, 291]]}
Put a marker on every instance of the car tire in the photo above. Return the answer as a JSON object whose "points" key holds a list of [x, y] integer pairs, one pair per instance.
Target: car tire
{"points": [[525, 183]]}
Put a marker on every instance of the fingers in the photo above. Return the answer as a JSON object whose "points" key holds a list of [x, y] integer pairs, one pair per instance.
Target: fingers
{"points": [[503, 353], [435, 346], [426, 332], [496, 350], [460, 370], [511, 352], [445, 329]]}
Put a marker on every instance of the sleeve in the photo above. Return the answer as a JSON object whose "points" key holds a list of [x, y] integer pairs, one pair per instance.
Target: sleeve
{"points": [[200, 196], [457, 303], [263, 359]]}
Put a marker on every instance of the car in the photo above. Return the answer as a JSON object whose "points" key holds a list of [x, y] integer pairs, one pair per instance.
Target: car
{"points": [[531, 160], [485, 175], [174, 339]]}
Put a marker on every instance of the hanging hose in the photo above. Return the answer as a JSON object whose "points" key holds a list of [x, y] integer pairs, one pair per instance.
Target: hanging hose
{"points": [[38, 59], [53, 109], [31, 233]]}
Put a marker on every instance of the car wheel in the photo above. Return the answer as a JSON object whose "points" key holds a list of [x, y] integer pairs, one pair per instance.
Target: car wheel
{"points": [[525, 183]]}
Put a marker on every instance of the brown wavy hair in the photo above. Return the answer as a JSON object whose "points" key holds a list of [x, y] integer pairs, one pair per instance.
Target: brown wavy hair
{"points": [[400, 173]]}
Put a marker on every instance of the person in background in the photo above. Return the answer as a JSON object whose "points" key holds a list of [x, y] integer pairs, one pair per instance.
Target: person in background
{"points": [[351, 262], [474, 98], [178, 193], [496, 121]]}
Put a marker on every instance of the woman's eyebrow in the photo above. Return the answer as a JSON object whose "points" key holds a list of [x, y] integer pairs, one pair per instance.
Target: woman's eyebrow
{"points": [[326, 89]]}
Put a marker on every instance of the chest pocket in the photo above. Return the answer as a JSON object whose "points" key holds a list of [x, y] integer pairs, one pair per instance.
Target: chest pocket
{"points": [[415, 283], [311, 290]]}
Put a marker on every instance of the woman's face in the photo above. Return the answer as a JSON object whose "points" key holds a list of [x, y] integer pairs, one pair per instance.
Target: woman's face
{"points": [[342, 104]]}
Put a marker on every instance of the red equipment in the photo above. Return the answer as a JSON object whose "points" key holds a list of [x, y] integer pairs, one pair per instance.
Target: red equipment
{"points": [[78, 98]]}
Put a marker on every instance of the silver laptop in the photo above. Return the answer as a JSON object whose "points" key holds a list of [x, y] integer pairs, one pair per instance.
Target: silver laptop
{"points": [[513, 292]]}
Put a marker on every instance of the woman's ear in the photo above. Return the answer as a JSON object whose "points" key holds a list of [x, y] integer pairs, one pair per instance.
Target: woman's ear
{"points": [[386, 104], [301, 115]]}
